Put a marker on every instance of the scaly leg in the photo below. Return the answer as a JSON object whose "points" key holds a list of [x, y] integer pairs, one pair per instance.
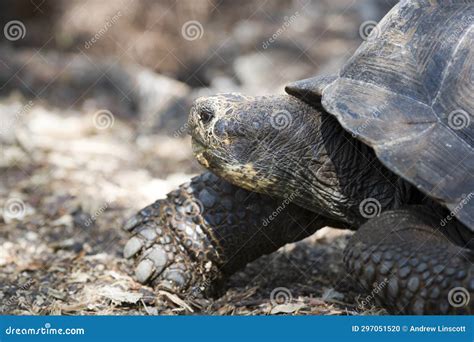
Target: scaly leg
{"points": [[408, 264]]}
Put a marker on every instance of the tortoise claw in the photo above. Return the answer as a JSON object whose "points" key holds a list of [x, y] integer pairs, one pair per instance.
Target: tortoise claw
{"points": [[176, 278], [132, 222], [144, 270], [132, 247]]}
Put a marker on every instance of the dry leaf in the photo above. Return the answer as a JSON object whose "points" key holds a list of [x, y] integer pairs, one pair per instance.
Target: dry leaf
{"points": [[175, 299], [120, 296], [287, 308]]}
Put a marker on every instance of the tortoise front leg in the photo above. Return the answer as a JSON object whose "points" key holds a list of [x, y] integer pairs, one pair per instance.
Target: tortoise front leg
{"points": [[207, 229], [404, 260]]}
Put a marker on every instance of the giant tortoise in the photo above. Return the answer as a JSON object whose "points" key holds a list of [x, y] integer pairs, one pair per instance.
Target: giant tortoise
{"points": [[385, 147]]}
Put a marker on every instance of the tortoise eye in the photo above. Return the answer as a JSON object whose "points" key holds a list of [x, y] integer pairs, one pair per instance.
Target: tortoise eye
{"points": [[206, 114]]}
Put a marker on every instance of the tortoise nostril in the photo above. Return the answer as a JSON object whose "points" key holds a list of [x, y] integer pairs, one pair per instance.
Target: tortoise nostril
{"points": [[206, 114]]}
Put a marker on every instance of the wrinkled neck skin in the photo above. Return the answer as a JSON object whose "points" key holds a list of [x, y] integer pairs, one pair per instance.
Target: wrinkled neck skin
{"points": [[280, 146]]}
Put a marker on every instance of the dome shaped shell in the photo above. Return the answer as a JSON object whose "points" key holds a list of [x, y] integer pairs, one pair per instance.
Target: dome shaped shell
{"points": [[408, 92]]}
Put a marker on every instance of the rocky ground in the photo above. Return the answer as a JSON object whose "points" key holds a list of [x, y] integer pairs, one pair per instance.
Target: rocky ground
{"points": [[89, 135]]}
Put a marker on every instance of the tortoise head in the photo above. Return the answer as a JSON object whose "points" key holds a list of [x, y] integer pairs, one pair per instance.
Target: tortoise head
{"points": [[251, 141]]}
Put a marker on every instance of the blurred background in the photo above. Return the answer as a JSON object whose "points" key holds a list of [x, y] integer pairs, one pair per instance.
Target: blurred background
{"points": [[94, 97]]}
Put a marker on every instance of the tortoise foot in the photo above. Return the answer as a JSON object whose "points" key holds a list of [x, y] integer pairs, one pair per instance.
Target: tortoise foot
{"points": [[171, 246]]}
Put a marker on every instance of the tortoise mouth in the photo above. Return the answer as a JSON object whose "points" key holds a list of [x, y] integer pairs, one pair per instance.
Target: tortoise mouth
{"points": [[197, 144], [200, 152]]}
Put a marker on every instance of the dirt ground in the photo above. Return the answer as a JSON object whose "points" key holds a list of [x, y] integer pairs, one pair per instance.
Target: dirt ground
{"points": [[88, 136]]}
